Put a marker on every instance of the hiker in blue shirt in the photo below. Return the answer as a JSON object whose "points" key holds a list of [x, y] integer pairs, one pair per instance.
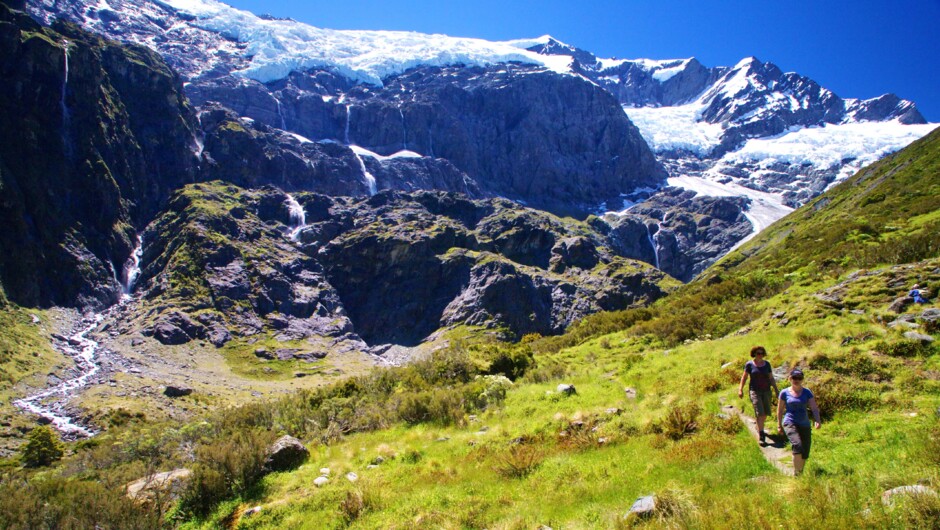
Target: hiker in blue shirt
{"points": [[762, 380], [919, 295], [793, 420]]}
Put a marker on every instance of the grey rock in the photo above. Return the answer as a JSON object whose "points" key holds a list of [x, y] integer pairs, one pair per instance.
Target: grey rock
{"points": [[888, 498], [898, 305], [168, 485], [904, 321], [352, 477], [913, 335], [174, 328], [263, 353], [566, 389], [321, 481], [779, 314], [286, 453], [643, 506], [630, 393], [784, 322], [177, 391], [930, 315], [252, 511], [831, 299]]}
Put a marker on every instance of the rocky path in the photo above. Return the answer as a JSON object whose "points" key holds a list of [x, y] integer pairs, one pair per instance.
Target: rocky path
{"points": [[776, 451]]}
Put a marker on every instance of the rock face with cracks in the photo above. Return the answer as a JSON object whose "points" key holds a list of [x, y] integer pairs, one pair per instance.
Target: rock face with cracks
{"points": [[393, 268]]}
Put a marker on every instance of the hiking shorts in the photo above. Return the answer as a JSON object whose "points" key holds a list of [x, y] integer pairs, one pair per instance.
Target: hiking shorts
{"points": [[801, 438], [762, 402]]}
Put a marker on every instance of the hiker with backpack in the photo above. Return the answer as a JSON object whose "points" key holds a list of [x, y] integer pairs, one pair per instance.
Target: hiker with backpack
{"points": [[762, 380]]}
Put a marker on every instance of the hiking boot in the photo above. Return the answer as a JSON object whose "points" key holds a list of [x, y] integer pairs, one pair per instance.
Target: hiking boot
{"points": [[763, 438]]}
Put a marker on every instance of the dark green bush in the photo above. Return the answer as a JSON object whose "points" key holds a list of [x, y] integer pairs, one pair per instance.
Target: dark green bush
{"points": [[42, 447]]}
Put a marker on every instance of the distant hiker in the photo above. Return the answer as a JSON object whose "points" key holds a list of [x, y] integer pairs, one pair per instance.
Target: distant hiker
{"points": [[762, 380], [793, 420], [919, 295]]}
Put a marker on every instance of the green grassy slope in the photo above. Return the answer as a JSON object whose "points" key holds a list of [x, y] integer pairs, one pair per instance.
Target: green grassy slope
{"points": [[539, 460]]}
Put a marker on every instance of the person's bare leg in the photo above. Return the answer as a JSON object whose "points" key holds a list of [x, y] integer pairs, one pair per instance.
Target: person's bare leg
{"points": [[798, 464], [760, 423]]}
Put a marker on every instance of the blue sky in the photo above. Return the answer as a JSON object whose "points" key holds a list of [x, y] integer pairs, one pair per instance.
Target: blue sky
{"points": [[858, 49]]}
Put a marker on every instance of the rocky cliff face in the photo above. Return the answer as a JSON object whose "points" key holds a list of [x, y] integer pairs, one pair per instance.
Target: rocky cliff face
{"points": [[548, 140], [94, 136], [679, 232], [389, 269]]}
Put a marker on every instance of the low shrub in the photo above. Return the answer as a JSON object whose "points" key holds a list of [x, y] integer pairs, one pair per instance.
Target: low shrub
{"points": [[680, 421], [903, 348], [546, 372], [226, 467], [851, 364], [352, 506], [836, 393], [56, 502], [519, 460]]}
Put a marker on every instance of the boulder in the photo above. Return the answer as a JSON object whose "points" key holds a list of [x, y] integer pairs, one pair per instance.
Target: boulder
{"points": [[263, 353], [320, 481], [285, 454], [913, 335], [906, 321], [630, 393], [898, 305], [352, 477], [167, 485], [177, 391], [888, 498], [831, 299], [643, 507], [930, 315], [176, 328], [566, 389]]}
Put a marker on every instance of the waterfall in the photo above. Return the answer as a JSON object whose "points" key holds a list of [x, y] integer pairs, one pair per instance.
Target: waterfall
{"points": [[652, 240], [280, 114], [298, 217], [199, 144], [346, 134], [66, 116], [370, 180], [404, 131], [132, 268]]}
